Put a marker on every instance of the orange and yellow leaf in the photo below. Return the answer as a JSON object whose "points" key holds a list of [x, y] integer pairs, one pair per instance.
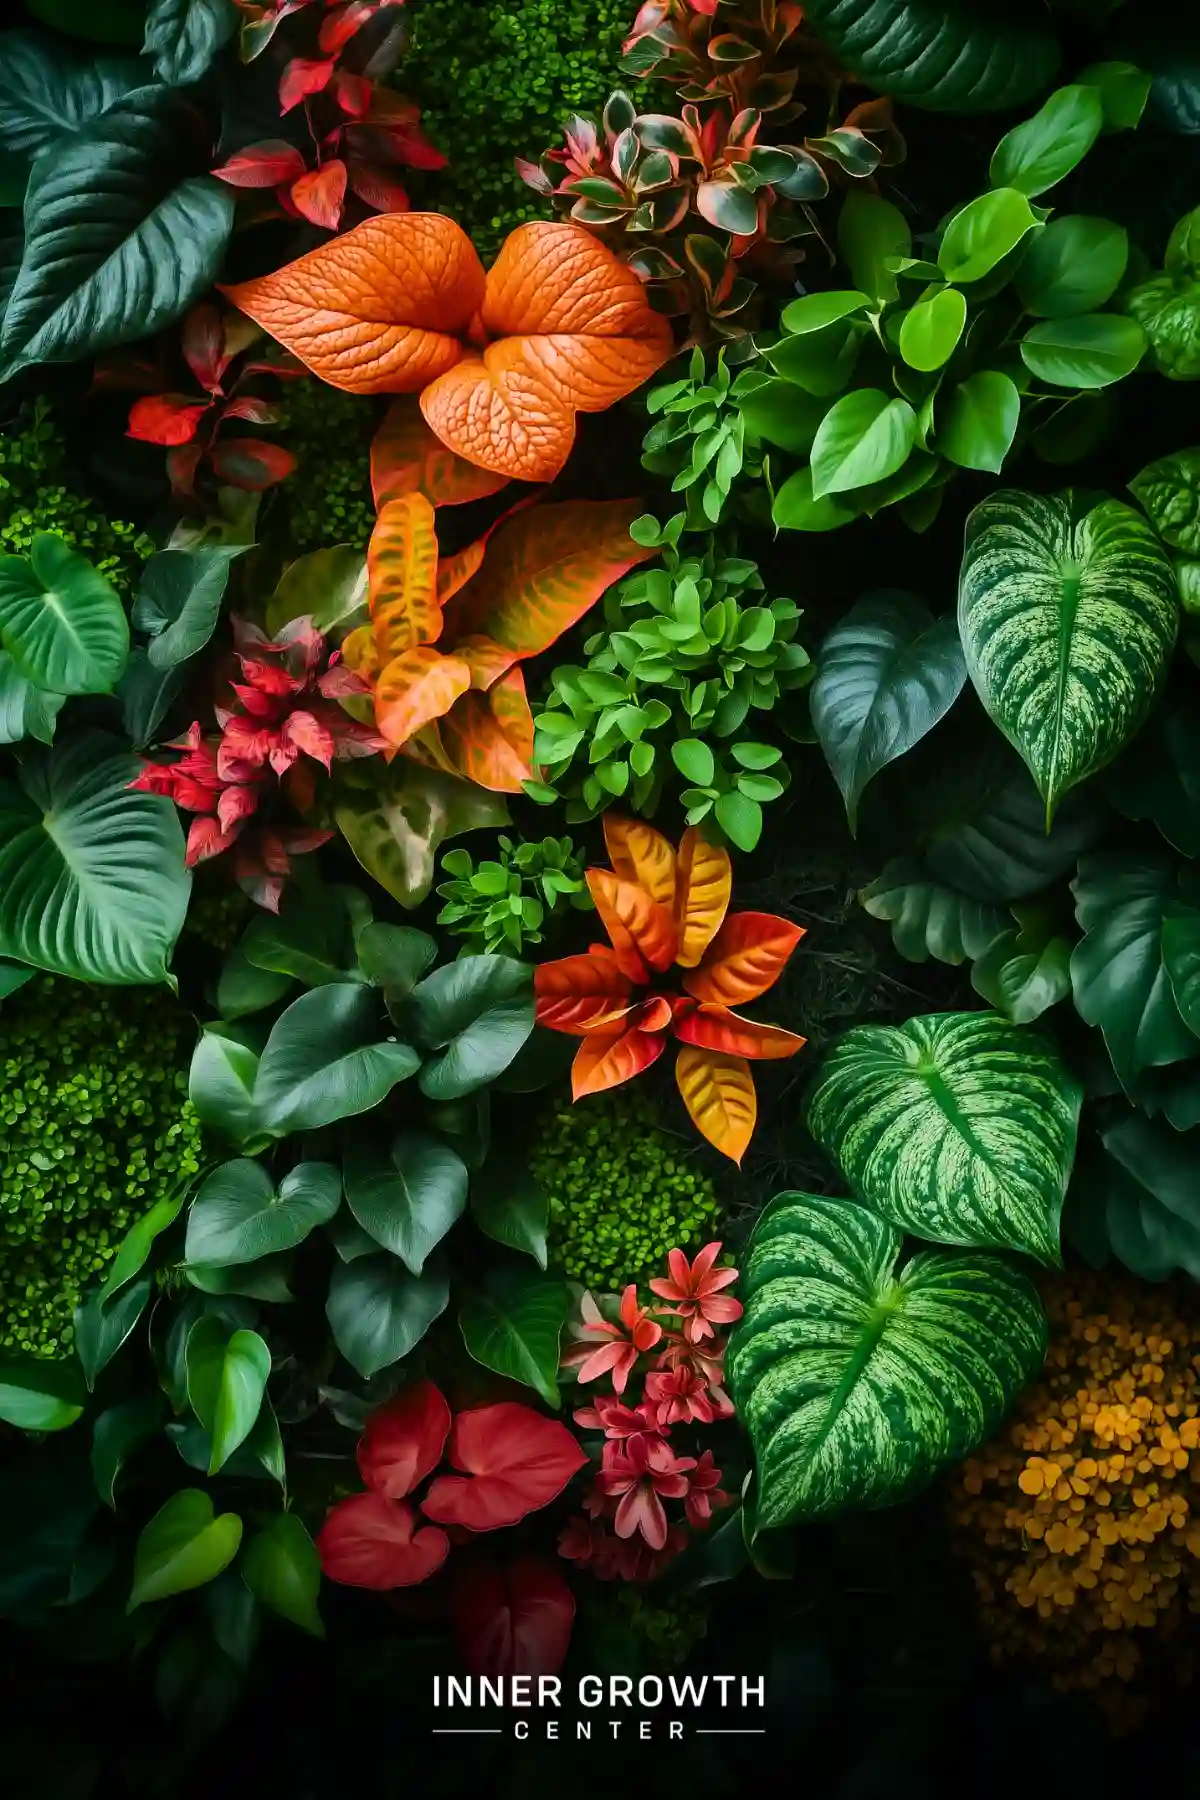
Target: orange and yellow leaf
{"points": [[746, 957], [359, 653], [605, 1059], [718, 1092], [639, 853], [402, 576], [510, 707], [408, 458], [455, 571], [474, 737], [641, 931], [415, 689], [579, 994], [716, 1028], [487, 661], [703, 885]]}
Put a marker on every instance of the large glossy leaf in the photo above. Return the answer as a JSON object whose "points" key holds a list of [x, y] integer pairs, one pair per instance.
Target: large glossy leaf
{"points": [[25, 709], [184, 1546], [1068, 613], [92, 882], [887, 673], [859, 1379], [1122, 901], [328, 1057], [239, 1215], [958, 1126], [1071, 267], [473, 1015], [121, 234], [928, 919], [179, 601], [226, 1382], [408, 1198], [1158, 778], [395, 819], [61, 622], [947, 55], [378, 1310], [101, 1326], [1039, 152], [1139, 1200], [328, 586], [510, 1205], [221, 1084], [513, 1326], [183, 36], [49, 89]]}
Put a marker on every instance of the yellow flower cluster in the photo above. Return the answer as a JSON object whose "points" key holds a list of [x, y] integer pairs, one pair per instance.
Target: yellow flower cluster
{"points": [[1082, 1521]]}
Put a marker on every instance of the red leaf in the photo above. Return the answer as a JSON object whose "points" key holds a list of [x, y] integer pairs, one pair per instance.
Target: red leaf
{"points": [[352, 93], [639, 927], [377, 189], [203, 343], [301, 78], [515, 1461], [578, 994], [340, 25], [251, 464], [605, 1059], [716, 1028], [262, 165], [320, 194], [404, 1440], [746, 957], [369, 1541], [253, 410], [165, 419], [515, 1620]]}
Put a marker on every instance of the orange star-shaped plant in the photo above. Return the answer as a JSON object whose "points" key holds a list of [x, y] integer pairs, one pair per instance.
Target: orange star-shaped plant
{"points": [[661, 908]]}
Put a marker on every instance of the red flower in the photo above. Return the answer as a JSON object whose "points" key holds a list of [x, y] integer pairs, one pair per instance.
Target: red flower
{"points": [[640, 1478], [370, 1541], [704, 1492], [514, 1619], [695, 1290], [679, 1396], [636, 1333], [404, 1440], [514, 1461]]}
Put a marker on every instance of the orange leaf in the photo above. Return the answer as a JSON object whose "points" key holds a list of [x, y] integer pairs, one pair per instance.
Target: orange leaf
{"points": [[486, 661], [475, 740], [402, 573], [510, 705], [639, 853], [358, 652], [704, 885], [745, 958], [455, 571], [576, 333], [543, 569], [718, 1092], [606, 1059], [578, 994], [716, 1028], [380, 309], [416, 688], [407, 458], [641, 931]]}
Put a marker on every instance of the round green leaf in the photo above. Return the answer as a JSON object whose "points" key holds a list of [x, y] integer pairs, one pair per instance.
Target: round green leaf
{"points": [[864, 437], [1072, 266], [1068, 614], [409, 1199], [931, 329], [378, 1311], [121, 233], [226, 1381], [39, 1394], [473, 1015], [794, 508], [238, 1215], [740, 818], [947, 55], [983, 232], [1091, 351], [813, 312], [514, 1327], [61, 622], [859, 1380], [978, 422], [958, 1126], [281, 1568], [326, 1060], [92, 882], [928, 919], [182, 1547], [1040, 151], [694, 760], [887, 673]]}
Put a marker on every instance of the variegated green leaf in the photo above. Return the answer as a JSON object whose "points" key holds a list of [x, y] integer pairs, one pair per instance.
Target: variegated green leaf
{"points": [[858, 1381], [1068, 617], [958, 1126]]}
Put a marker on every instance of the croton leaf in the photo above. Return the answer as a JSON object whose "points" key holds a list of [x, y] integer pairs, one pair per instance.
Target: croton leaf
{"points": [[407, 457], [402, 569], [183, 36], [1068, 614], [48, 89], [958, 1126], [718, 1091], [488, 738], [395, 819], [416, 689], [859, 1379], [61, 622], [947, 55], [745, 958], [92, 881], [928, 919], [121, 234]]}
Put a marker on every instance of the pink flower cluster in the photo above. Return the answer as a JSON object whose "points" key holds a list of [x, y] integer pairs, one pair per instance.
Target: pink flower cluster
{"points": [[625, 1532]]}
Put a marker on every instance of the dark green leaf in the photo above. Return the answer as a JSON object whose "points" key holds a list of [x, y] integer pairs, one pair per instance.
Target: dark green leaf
{"points": [[239, 1215], [61, 622], [1158, 778], [221, 1084], [183, 36], [997, 848], [864, 437], [226, 1381], [48, 89], [977, 422], [928, 919], [409, 1199], [395, 957], [118, 1434], [514, 1327], [38, 1393], [326, 1059], [146, 694], [378, 1311], [509, 1204], [1073, 266], [243, 988], [1139, 1200], [102, 1326], [281, 1568], [947, 55], [179, 601], [1041, 151], [474, 1015], [1022, 974]]}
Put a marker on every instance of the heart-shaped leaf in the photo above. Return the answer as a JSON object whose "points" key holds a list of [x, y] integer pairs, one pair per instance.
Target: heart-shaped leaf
{"points": [[25, 710], [61, 622], [378, 1311], [117, 1434], [1091, 351], [184, 1546], [510, 1205], [226, 1382], [958, 1126], [239, 1216], [977, 422], [1073, 266], [281, 1568], [38, 1394], [1039, 152], [101, 1326], [983, 232], [328, 1058], [221, 1084], [864, 437], [179, 601], [1023, 973], [995, 845], [514, 1326], [859, 1379], [409, 1199], [395, 819], [473, 1015]]}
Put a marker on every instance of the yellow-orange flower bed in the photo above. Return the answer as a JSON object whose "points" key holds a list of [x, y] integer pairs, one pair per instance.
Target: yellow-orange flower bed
{"points": [[1081, 1522]]}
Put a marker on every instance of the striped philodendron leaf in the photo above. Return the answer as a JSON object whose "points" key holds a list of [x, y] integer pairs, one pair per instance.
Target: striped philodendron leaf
{"points": [[858, 1381], [1068, 616], [958, 1126]]}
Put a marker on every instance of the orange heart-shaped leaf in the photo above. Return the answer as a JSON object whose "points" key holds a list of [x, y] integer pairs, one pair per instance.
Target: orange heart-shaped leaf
{"points": [[579, 994], [716, 1028], [703, 885], [745, 958], [416, 688], [543, 569], [718, 1092], [407, 458], [381, 309], [605, 1059], [639, 853], [402, 576], [575, 334], [479, 747], [641, 931]]}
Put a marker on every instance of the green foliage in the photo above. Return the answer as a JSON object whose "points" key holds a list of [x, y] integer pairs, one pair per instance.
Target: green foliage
{"points": [[700, 440], [502, 904], [501, 89], [95, 1126], [621, 1192], [688, 652], [328, 499], [639, 1631], [1168, 305]]}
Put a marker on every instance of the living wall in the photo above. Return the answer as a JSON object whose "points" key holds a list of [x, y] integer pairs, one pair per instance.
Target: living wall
{"points": [[599, 919]]}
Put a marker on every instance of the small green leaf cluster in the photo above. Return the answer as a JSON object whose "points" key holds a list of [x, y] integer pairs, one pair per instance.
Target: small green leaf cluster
{"points": [[621, 1192], [217, 913], [701, 440], [329, 497], [646, 1634], [688, 651], [500, 88], [35, 495], [95, 1126], [502, 904]]}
